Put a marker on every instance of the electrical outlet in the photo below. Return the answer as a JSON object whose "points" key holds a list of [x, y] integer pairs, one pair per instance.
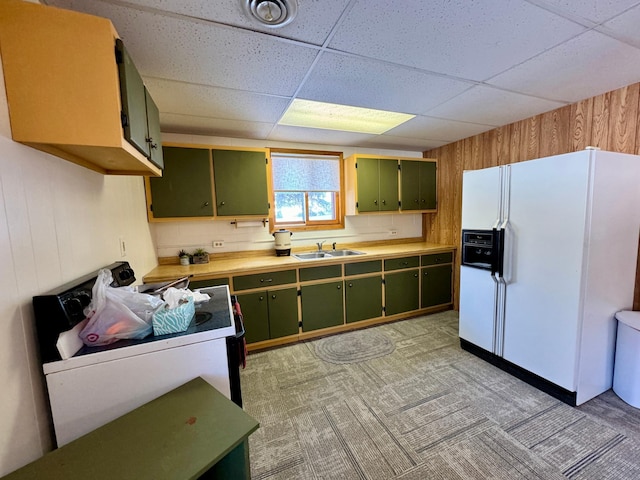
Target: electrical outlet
{"points": [[393, 232], [218, 243], [123, 247]]}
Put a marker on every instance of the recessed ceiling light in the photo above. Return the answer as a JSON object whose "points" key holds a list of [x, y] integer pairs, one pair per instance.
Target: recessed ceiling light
{"points": [[271, 13], [331, 116]]}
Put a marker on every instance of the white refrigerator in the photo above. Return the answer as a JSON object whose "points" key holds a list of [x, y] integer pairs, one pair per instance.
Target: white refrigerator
{"points": [[549, 256]]}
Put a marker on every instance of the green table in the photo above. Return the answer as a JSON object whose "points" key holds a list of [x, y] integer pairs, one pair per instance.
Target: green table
{"points": [[191, 432]]}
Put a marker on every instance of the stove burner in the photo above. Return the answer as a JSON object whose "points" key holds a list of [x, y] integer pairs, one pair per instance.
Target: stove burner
{"points": [[203, 317]]}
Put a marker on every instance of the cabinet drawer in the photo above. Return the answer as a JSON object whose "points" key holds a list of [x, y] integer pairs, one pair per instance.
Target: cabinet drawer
{"points": [[437, 258], [212, 282], [264, 280], [359, 268], [404, 262], [317, 273]]}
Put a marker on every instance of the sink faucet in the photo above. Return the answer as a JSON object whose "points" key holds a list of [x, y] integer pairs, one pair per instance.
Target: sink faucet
{"points": [[319, 244], [333, 245]]}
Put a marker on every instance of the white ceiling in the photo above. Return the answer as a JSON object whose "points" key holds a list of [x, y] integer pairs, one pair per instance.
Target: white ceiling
{"points": [[461, 66]]}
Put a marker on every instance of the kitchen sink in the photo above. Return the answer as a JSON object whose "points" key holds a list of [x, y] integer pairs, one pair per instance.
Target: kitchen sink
{"points": [[326, 254]]}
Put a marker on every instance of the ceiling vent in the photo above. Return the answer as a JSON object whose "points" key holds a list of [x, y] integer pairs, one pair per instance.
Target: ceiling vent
{"points": [[271, 13]]}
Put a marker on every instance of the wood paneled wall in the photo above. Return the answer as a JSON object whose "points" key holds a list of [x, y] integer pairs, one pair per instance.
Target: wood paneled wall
{"points": [[609, 121]]}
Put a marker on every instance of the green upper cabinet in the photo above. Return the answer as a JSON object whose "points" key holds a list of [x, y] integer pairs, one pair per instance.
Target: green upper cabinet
{"points": [[377, 185], [140, 116], [417, 185], [240, 183], [184, 190]]}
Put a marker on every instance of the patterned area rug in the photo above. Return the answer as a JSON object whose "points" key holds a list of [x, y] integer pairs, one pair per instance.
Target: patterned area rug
{"points": [[353, 347], [427, 410]]}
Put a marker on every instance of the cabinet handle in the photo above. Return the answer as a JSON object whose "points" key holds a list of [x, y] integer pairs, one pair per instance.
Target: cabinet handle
{"points": [[273, 296], [221, 203], [415, 275], [339, 287], [424, 201], [384, 202], [417, 201], [351, 284], [375, 202], [426, 273], [260, 298], [205, 204], [268, 280], [405, 263]]}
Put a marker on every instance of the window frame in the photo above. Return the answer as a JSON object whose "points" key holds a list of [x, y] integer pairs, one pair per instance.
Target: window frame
{"points": [[308, 225]]}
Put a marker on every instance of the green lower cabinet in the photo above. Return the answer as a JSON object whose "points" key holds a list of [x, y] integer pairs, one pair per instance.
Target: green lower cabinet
{"points": [[269, 314], [436, 285], [322, 306], [363, 298], [401, 291], [283, 312], [255, 313]]}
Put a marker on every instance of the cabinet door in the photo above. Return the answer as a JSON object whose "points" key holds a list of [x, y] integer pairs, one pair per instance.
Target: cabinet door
{"points": [[184, 190], [154, 137], [255, 311], [436, 285], [322, 306], [240, 182], [401, 291], [283, 312], [388, 185], [410, 191], [363, 298], [368, 178], [132, 92], [428, 187]]}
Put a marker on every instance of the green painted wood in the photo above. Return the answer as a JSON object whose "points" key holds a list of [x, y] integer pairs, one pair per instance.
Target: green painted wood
{"points": [[153, 131], [437, 258], [388, 185], [358, 268], [184, 190], [368, 178], [428, 186], [436, 285], [212, 282], [402, 291], [240, 183], [132, 93], [255, 311], [410, 185], [263, 280], [322, 306], [180, 435], [283, 312], [363, 298], [402, 262], [318, 273]]}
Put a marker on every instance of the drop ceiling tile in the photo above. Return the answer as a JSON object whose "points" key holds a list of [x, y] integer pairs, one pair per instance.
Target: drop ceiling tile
{"points": [[624, 27], [469, 39], [361, 82], [219, 127], [316, 136], [312, 24], [390, 142], [205, 101], [430, 128], [578, 69], [594, 10], [491, 106], [204, 53]]}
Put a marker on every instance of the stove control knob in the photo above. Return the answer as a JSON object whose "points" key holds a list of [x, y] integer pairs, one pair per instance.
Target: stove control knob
{"points": [[73, 306]]}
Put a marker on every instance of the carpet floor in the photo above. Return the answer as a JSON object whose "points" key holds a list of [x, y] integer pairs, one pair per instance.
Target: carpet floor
{"points": [[419, 407]]}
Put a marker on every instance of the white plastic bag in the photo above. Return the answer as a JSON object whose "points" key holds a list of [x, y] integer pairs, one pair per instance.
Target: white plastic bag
{"points": [[109, 318]]}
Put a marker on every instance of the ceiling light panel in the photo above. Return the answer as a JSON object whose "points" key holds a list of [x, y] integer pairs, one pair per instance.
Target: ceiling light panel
{"points": [[331, 116]]}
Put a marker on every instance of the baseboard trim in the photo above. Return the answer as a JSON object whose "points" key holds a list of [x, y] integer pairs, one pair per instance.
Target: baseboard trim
{"points": [[532, 379]]}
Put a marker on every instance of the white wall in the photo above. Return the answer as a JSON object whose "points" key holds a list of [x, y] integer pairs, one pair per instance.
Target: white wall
{"points": [[170, 237], [58, 221]]}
